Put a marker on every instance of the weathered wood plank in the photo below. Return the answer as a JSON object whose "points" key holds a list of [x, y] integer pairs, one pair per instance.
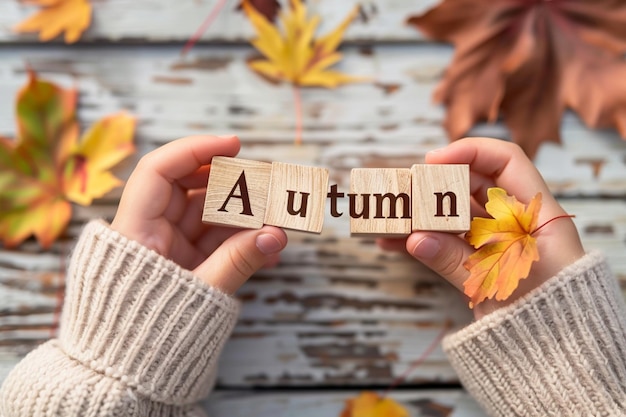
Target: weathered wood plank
{"points": [[336, 311], [426, 403], [360, 125], [167, 21]]}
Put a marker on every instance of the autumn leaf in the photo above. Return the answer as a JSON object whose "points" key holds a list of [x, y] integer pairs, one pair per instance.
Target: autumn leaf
{"points": [[268, 8], [529, 61], [47, 167], [370, 404], [57, 16], [506, 246], [294, 55]]}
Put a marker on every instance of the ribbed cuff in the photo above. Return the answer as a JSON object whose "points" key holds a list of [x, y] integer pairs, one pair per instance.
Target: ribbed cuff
{"points": [[559, 351], [137, 317]]}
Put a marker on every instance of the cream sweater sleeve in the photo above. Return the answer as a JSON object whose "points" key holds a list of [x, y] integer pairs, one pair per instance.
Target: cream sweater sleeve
{"points": [[139, 336], [561, 351]]}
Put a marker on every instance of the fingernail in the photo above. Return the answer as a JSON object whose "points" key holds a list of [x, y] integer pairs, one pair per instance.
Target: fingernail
{"points": [[268, 244], [225, 136], [426, 248]]}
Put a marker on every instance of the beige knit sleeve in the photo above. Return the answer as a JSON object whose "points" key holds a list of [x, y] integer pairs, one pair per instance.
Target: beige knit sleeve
{"points": [[561, 351], [139, 336]]}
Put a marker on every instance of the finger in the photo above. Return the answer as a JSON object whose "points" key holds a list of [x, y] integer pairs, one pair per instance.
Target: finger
{"points": [[190, 222], [240, 256], [183, 157], [444, 253], [197, 179], [149, 189], [391, 244], [213, 237], [272, 261], [503, 161]]}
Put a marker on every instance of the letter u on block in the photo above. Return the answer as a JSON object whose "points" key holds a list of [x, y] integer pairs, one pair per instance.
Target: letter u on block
{"points": [[441, 198], [237, 192], [297, 197]]}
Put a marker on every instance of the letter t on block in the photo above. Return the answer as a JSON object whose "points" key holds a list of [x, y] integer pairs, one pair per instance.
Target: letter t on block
{"points": [[441, 198], [297, 197], [236, 193]]}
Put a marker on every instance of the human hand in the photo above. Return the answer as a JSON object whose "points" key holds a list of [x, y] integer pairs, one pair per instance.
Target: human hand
{"points": [[495, 163], [161, 208]]}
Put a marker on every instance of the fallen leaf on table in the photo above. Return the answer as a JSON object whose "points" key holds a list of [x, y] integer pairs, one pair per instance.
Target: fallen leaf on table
{"points": [[506, 246], [530, 61], [57, 16], [294, 55], [370, 404], [47, 167]]}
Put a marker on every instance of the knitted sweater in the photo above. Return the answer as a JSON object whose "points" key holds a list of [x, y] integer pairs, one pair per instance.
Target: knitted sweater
{"points": [[559, 351], [141, 337]]}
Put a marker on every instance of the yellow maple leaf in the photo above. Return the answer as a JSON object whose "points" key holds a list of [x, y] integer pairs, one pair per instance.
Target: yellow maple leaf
{"points": [[506, 246], [294, 55], [70, 16], [107, 143], [370, 404]]}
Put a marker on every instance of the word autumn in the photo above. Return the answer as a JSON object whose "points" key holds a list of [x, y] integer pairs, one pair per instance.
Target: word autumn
{"points": [[383, 202]]}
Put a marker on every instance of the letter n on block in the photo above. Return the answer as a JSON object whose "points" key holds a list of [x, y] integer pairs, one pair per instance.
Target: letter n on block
{"points": [[236, 193], [441, 198], [380, 202], [297, 197]]}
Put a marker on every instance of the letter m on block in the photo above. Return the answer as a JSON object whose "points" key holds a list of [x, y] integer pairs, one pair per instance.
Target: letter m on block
{"points": [[237, 192]]}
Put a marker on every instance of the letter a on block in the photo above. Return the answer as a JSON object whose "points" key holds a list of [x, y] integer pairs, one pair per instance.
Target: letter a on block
{"points": [[297, 197], [236, 193], [388, 193], [441, 198]]}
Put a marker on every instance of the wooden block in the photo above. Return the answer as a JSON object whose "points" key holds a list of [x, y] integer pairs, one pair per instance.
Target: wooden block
{"points": [[237, 192], [297, 197], [380, 202], [441, 198]]}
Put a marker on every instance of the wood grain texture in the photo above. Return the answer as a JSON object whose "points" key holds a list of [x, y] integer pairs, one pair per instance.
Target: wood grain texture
{"points": [[125, 21], [296, 198], [443, 193], [382, 202], [337, 311], [419, 403], [237, 192]]}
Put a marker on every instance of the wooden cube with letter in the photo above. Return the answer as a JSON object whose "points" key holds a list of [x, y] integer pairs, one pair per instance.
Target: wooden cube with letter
{"points": [[237, 192], [380, 202], [441, 198], [297, 197]]}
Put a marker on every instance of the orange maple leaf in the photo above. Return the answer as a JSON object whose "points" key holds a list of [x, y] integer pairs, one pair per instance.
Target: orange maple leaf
{"points": [[506, 246], [47, 168], [294, 55], [530, 61], [370, 404], [70, 16]]}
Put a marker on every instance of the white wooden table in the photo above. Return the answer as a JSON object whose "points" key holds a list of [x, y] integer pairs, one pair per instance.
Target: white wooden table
{"points": [[337, 314]]}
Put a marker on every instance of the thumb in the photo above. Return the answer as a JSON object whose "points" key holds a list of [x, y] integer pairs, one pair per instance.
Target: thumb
{"points": [[444, 253], [240, 256]]}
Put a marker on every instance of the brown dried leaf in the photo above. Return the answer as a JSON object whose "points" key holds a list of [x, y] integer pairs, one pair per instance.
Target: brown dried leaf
{"points": [[530, 61]]}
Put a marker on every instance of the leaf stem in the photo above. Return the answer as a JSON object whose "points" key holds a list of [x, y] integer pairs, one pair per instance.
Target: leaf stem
{"points": [[564, 216], [297, 98], [203, 27]]}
